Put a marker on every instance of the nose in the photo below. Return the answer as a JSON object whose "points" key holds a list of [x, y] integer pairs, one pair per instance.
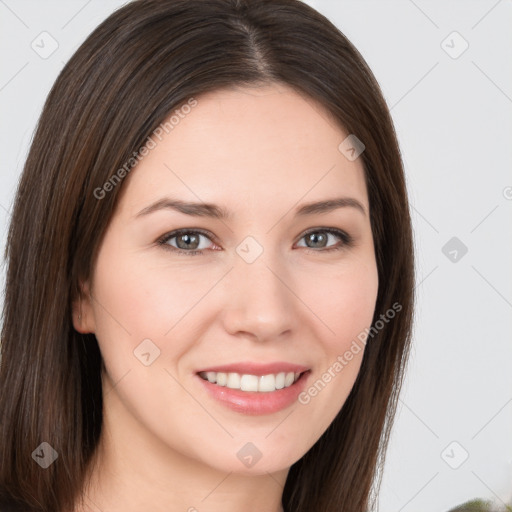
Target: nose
{"points": [[260, 302]]}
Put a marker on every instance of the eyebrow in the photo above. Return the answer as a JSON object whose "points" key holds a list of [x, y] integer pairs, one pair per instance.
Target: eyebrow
{"points": [[218, 212]]}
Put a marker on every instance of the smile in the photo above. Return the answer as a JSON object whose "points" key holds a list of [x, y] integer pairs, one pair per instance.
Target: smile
{"points": [[252, 383]]}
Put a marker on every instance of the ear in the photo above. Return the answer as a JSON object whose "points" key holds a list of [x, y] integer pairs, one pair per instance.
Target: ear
{"points": [[82, 311]]}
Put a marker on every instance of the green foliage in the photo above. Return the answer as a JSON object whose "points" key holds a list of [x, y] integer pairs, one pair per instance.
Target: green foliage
{"points": [[479, 505]]}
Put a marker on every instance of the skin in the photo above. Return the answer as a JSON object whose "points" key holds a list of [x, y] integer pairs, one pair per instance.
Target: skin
{"points": [[261, 153]]}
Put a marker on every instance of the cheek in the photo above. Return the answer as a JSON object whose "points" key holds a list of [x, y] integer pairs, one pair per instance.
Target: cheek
{"points": [[344, 300], [346, 308], [140, 300], [136, 299]]}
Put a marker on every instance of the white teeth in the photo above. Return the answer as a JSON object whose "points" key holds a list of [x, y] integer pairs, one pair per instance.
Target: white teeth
{"points": [[249, 383], [221, 379], [233, 381], [288, 380], [263, 383], [267, 383]]}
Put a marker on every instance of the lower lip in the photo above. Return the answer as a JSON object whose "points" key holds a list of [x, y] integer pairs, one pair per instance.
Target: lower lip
{"points": [[250, 402]]}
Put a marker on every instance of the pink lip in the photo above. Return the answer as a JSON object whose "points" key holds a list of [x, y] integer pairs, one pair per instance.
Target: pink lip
{"points": [[256, 368], [254, 403]]}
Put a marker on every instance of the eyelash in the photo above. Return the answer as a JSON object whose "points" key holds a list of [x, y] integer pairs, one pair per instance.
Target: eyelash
{"points": [[347, 240]]}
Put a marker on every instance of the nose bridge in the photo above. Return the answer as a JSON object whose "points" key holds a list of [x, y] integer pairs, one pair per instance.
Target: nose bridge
{"points": [[258, 300]]}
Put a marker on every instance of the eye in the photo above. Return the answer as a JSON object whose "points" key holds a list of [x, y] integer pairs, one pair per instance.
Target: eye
{"points": [[318, 242], [188, 241]]}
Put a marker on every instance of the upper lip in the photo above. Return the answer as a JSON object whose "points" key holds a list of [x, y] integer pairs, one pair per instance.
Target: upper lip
{"points": [[249, 368]]}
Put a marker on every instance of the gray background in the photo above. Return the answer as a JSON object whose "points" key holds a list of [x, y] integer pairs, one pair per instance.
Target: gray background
{"points": [[453, 118]]}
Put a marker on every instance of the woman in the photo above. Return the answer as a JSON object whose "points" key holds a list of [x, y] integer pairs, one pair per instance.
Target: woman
{"points": [[210, 271]]}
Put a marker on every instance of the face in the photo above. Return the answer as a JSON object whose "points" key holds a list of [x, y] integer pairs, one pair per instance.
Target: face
{"points": [[270, 288]]}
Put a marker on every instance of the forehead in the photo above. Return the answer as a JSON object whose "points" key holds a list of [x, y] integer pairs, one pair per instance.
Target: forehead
{"points": [[244, 145]]}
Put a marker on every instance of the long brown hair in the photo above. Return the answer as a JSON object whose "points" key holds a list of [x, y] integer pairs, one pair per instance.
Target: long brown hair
{"points": [[145, 60]]}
